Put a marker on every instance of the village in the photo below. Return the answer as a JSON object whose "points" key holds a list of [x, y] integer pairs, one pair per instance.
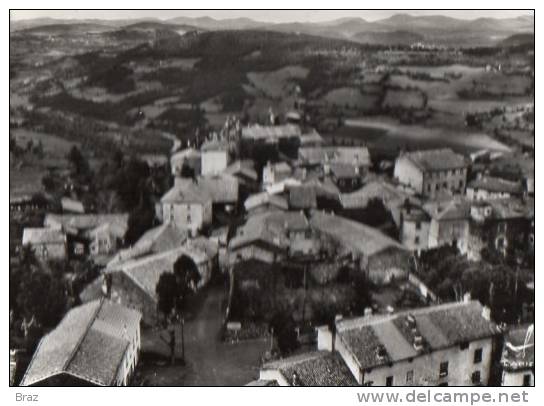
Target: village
{"points": [[276, 258]]}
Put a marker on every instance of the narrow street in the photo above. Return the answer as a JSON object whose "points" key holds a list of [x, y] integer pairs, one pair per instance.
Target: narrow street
{"points": [[209, 361]]}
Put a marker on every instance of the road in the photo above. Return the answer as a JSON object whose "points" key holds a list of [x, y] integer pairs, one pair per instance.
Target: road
{"points": [[209, 361]]}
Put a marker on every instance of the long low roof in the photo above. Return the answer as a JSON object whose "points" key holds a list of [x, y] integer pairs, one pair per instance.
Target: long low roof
{"points": [[89, 344], [440, 327], [354, 235]]}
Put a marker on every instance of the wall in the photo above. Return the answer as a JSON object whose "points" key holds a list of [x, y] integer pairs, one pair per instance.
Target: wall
{"points": [[445, 232], [427, 366], [453, 180], [407, 173], [214, 162], [50, 251], [515, 378], [188, 216], [273, 374], [482, 194], [409, 232]]}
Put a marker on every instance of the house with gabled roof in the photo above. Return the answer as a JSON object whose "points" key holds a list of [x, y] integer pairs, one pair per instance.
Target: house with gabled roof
{"points": [[441, 345], [432, 173], [186, 205], [381, 258], [95, 344], [134, 281]]}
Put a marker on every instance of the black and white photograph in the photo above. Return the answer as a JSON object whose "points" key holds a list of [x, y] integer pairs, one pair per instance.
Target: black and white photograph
{"points": [[272, 197]]}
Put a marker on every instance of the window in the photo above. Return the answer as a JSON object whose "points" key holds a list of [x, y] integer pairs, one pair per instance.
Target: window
{"points": [[460, 184], [478, 356], [476, 377], [463, 345], [428, 188], [416, 240], [443, 369], [410, 377], [418, 225], [527, 380], [389, 381], [445, 185]]}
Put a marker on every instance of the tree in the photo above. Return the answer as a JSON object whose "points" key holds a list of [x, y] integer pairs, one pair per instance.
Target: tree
{"points": [[173, 289], [282, 326]]}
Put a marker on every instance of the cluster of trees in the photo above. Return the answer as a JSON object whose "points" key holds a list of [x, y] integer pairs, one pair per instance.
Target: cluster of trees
{"points": [[40, 294], [495, 283]]}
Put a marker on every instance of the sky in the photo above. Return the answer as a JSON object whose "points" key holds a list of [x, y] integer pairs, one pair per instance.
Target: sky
{"points": [[272, 16]]}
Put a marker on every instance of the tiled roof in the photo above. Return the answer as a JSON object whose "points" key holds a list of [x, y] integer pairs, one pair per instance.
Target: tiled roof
{"points": [[258, 132], [436, 159], [244, 167], [497, 185], [89, 342], [302, 197], [158, 239], [319, 155], [186, 192], [222, 188], [512, 208], [356, 236], [263, 198], [271, 227], [43, 236], [449, 209], [380, 340], [118, 223], [146, 271], [376, 189], [319, 368]]}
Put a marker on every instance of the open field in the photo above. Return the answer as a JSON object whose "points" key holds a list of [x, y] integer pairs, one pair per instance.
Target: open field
{"points": [[386, 135]]}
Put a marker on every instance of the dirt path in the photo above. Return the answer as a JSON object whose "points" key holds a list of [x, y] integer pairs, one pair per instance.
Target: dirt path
{"points": [[209, 361]]}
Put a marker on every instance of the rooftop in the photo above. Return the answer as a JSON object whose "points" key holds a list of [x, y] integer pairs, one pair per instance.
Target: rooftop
{"points": [[319, 368], [382, 339], [436, 159], [118, 223], [496, 185], [146, 271], [317, 155], [264, 198], [244, 167], [158, 239], [222, 188], [273, 132], [186, 192], [89, 343], [271, 227], [354, 235]]}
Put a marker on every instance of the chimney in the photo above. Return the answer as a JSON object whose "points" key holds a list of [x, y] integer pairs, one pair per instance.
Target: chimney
{"points": [[486, 313]]}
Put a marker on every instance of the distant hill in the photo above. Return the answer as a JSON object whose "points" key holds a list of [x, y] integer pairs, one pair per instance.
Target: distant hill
{"points": [[388, 38], [518, 39], [436, 29], [64, 29]]}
